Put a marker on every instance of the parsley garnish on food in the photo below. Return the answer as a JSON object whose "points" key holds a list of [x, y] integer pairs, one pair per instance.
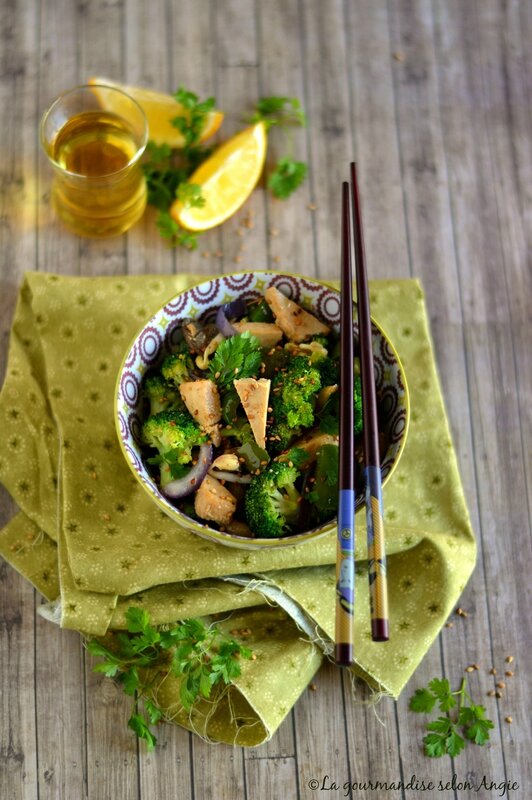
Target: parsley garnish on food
{"points": [[445, 732], [200, 654], [288, 174], [235, 358]]}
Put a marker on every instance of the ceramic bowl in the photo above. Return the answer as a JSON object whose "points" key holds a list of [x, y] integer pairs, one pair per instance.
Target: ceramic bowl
{"points": [[159, 337]]}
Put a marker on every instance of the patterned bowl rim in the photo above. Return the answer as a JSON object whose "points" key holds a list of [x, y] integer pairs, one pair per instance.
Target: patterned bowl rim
{"points": [[204, 530]]}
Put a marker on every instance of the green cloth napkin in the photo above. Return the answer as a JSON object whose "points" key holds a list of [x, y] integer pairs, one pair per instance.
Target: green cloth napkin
{"points": [[93, 543]]}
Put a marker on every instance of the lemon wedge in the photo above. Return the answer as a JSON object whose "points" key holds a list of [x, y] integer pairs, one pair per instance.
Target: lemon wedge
{"points": [[159, 108], [227, 178]]}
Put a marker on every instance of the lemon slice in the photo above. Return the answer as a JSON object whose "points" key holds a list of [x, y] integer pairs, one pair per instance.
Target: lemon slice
{"points": [[227, 178], [159, 109]]}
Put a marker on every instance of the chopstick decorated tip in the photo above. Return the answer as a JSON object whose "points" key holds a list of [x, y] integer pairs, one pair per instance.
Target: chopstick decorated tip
{"points": [[374, 516], [345, 550]]}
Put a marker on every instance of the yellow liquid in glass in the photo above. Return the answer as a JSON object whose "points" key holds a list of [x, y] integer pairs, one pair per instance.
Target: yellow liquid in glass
{"points": [[95, 192]]}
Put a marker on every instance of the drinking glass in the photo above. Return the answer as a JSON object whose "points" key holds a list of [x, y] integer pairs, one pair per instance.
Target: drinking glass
{"points": [[94, 137]]}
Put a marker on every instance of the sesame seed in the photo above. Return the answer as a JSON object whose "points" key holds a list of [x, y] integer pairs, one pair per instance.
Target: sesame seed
{"points": [[509, 673], [491, 693], [509, 720], [500, 685], [312, 687], [493, 671], [509, 659], [498, 695], [469, 669]]}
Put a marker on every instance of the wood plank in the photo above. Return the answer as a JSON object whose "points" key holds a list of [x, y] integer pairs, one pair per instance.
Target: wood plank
{"points": [[147, 65], [193, 64], [290, 222], [218, 769], [370, 730], [247, 229], [273, 778], [322, 743], [58, 250], [60, 697], [166, 772], [18, 80], [432, 244], [375, 142], [329, 134], [18, 734], [100, 49], [376, 150]]}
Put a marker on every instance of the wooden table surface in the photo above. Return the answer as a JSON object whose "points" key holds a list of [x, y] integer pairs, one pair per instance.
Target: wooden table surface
{"points": [[433, 99]]}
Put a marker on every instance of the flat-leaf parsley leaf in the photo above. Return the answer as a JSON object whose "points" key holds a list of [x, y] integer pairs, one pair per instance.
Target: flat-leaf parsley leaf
{"points": [[444, 732]]}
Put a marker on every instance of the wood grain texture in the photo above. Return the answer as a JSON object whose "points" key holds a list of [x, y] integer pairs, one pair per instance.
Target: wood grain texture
{"points": [[433, 99]]}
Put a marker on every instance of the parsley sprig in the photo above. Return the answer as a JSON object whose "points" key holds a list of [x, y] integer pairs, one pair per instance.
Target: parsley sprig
{"points": [[198, 653], [287, 174], [445, 732], [237, 357], [167, 171]]}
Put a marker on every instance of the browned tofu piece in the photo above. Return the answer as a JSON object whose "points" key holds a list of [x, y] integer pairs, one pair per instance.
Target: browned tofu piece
{"points": [[293, 320], [203, 401], [268, 333], [214, 502], [254, 396]]}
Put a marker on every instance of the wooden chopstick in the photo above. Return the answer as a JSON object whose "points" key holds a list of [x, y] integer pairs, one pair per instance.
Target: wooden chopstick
{"points": [[345, 550], [374, 515]]}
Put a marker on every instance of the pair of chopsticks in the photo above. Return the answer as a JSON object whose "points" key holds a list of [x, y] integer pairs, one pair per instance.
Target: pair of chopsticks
{"points": [[345, 560]]}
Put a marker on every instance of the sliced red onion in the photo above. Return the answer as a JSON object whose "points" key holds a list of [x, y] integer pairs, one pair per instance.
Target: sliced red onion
{"points": [[192, 480], [232, 477], [236, 308]]}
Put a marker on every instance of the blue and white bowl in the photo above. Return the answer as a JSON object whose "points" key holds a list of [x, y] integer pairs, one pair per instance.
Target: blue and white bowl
{"points": [[160, 335]]}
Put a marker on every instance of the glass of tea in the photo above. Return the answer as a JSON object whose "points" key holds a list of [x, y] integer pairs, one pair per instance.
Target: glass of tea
{"points": [[94, 137]]}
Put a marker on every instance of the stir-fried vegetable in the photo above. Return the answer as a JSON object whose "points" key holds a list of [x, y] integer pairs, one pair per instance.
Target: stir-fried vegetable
{"points": [[258, 394]]}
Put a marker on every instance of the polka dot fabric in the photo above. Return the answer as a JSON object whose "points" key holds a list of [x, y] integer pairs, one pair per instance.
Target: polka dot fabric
{"points": [[88, 536]]}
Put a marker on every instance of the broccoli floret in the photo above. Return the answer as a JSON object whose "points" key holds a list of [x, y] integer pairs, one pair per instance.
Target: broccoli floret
{"points": [[329, 370], [272, 500], [292, 395], [161, 395], [174, 434], [329, 416], [281, 435], [176, 368]]}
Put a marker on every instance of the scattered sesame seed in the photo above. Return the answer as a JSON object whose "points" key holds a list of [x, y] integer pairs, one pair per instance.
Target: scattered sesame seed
{"points": [[253, 656], [509, 659], [398, 56], [493, 671], [449, 624], [500, 685], [498, 695], [509, 720], [312, 206], [312, 687], [491, 693], [476, 666], [469, 669], [509, 673]]}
